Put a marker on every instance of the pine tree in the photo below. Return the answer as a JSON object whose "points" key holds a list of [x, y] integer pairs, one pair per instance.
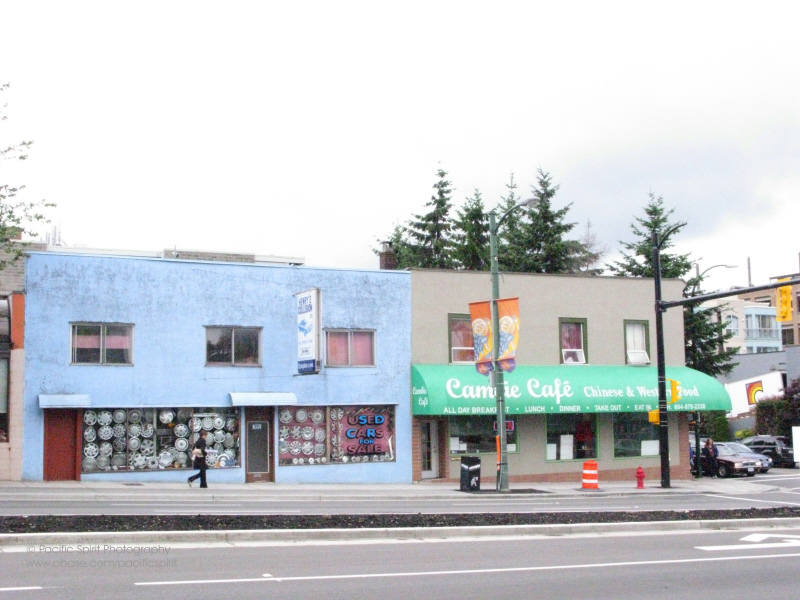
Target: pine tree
{"points": [[471, 235], [703, 335], [548, 251], [429, 234], [511, 241], [638, 261]]}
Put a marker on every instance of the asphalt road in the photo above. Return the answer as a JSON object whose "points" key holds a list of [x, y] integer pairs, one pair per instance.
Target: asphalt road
{"points": [[713, 565], [787, 481]]}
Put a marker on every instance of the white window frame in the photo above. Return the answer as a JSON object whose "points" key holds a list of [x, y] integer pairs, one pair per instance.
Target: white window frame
{"points": [[637, 357], [450, 319]]}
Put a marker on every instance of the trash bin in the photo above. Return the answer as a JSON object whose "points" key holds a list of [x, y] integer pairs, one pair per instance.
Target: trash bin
{"points": [[470, 473]]}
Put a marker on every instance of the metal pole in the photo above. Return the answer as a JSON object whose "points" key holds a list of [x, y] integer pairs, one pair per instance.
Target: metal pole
{"points": [[497, 374], [698, 465], [663, 443]]}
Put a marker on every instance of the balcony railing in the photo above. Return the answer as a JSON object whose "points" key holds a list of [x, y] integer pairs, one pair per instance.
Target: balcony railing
{"points": [[761, 333]]}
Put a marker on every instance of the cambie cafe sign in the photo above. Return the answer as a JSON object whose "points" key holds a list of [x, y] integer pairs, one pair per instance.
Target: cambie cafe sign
{"points": [[460, 390]]}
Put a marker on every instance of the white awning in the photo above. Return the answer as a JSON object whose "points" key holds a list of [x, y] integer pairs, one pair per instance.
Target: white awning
{"points": [[263, 398], [64, 401]]}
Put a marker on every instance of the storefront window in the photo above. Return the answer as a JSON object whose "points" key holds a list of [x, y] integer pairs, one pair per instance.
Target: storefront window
{"points": [[319, 435], [634, 435], [478, 434], [571, 437], [142, 439]]}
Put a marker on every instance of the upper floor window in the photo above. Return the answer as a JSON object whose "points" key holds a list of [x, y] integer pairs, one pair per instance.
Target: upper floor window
{"points": [[460, 330], [732, 324], [573, 341], [102, 344], [637, 343], [237, 346], [349, 348]]}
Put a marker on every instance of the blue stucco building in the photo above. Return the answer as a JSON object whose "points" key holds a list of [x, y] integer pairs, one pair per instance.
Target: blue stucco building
{"points": [[292, 374]]}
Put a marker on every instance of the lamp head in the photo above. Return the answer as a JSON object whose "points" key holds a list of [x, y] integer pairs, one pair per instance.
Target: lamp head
{"points": [[531, 202]]}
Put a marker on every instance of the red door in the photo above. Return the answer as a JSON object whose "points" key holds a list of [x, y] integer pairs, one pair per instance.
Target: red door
{"points": [[61, 444]]}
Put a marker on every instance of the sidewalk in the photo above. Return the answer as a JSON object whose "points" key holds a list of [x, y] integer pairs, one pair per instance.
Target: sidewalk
{"points": [[128, 491]]}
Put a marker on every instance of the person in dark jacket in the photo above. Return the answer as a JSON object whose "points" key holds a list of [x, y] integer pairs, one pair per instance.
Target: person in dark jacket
{"points": [[199, 461], [710, 454]]}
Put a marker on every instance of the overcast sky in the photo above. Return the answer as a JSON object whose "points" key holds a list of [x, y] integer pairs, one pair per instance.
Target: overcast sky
{"points": [[310, 129]]}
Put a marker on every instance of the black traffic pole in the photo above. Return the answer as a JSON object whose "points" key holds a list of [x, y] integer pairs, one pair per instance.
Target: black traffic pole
{"points": [[663, 437]]}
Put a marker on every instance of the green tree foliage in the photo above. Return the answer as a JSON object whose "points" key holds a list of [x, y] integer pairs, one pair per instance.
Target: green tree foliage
{"points": [[637, 256], [430, 234], [777, 416], [548, 250], [471, 235], [530, 240], [15, 216], [703, 333], [511, 242]]}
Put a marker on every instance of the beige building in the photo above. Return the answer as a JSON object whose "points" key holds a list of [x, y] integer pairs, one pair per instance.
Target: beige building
{"points": [[582, 387]]}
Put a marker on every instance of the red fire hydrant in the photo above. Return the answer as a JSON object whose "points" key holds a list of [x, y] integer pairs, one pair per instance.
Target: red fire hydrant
{"points": [[640, 478]]}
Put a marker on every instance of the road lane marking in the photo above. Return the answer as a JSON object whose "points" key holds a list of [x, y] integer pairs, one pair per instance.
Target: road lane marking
{"points": [[21, 589], [753, 500], [271, 578]]}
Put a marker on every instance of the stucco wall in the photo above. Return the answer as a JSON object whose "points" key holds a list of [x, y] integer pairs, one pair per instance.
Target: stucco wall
{"points": [[171, 301], [605, 302]]}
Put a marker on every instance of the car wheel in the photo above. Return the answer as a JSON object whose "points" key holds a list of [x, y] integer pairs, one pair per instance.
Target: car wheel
{"points": [[723, 471]]}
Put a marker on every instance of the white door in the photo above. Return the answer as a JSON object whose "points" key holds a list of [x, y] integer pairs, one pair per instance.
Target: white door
{"points": [[430, 449]]}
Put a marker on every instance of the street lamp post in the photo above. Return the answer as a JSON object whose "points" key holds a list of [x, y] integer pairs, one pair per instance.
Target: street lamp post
{"points": [[698, 277], [497, 373]]}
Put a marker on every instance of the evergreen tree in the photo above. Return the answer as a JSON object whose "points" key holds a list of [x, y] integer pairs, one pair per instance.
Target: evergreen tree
{"points": [[548, 251], [471, 235], [703, 335], [511, 242], [405, 255], [429, 234], [638, 260]]}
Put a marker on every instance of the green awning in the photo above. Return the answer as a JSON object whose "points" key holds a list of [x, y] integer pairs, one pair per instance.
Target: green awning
{"points": [[460, 390]]}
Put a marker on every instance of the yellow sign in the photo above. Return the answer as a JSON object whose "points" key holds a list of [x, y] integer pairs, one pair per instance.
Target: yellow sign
{"points": [[783, 304]]}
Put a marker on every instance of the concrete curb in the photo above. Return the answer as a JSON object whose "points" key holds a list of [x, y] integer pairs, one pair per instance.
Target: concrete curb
{"points": [[202, 496], [233, 537]]}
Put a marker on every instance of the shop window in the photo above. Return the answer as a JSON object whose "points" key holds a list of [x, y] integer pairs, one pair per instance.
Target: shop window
{"points": [[470, 435], [157, 439], [637, 343], [460, 331], [102, 344], [322, 435], [571, 437], [634, 435], [237, 346], [572, 341], [350, 348]]}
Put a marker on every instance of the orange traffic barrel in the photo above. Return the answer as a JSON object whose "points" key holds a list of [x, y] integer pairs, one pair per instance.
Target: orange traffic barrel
{"points": [[590, 475]]}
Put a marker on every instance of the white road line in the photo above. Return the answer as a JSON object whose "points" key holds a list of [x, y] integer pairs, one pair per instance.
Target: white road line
{"points": [[20, 589], [270, 578], [753, 500]]}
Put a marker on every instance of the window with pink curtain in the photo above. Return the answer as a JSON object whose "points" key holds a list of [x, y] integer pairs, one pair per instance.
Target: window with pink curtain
{"points": [[337, 354], [461, 348], [363, 355], [350, 349]]}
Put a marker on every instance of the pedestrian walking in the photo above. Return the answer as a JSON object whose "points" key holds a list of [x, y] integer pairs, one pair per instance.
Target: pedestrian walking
{"points": [[199, 461], [710, 454]]}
